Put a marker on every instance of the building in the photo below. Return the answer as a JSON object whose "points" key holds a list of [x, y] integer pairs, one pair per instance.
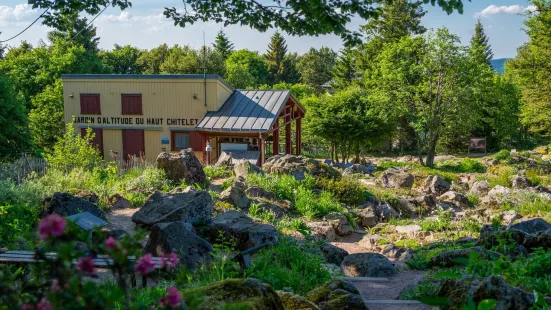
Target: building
{"points": [[143, 115]]}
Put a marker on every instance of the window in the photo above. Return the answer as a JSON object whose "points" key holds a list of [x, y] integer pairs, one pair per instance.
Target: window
{"points": [[90, 104], [180, 141], [131, 104]]}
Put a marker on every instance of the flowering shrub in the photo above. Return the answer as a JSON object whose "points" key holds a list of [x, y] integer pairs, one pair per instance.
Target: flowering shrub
{"points": [[62, 276]]}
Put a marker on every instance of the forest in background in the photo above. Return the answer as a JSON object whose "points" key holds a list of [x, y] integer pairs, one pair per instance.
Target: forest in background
{"points": [[404, 87]]}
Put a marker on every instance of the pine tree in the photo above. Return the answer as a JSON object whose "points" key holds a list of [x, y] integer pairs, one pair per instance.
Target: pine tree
{"points": [[480, 48], [76, 29], [223, 45], [275, 58], [345, 70], [398, 18]]}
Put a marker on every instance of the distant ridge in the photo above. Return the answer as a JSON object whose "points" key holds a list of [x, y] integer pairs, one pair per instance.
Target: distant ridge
{"points": [[499, 64]]}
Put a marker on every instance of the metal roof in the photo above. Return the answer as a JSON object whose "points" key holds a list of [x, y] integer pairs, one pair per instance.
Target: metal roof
{"points": [[246, 111], [145, 76]]}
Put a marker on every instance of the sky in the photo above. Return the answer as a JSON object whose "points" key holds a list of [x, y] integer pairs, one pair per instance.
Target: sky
{"points": [[144, 26]]}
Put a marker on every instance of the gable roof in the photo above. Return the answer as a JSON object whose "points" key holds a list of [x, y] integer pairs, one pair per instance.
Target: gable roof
{"points": [[246, 111]]}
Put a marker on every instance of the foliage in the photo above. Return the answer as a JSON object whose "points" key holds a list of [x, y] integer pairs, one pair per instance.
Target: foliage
{"points": [[479, 47], [73, 28], [503, 155], [245, 68], [46, 118], [74, 151], [313, 206], [289, 264], [217, 172], [14, 135], [346, 190], [397, 19], [16, 221], [223, 45], [316, 67], [345, 71], [466, 165], [122, 59], [275, 59], [500, 175]]}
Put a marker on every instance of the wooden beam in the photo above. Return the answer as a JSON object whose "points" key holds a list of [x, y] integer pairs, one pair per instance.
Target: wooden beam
{"points": [[288, 144], [275, 134], [299, 135]]}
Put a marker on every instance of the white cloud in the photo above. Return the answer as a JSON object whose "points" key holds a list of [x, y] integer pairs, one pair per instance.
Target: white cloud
{"points": [[156, 22], [511, 9], [19, 12]]}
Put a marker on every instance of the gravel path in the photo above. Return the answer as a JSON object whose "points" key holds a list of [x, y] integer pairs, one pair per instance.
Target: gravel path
{"points": [[122, 219]]}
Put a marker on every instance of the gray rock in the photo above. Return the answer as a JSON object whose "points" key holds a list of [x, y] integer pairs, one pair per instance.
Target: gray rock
{"points": [[367, 265], [480, 189], [398, 253], [386, 212], [176, 237], [532, 226], [434, 184], [259, 192], [519, 182], [192, 207], [322, 230], [508, 297], [490, 236], [277, 210], [356, 169], [367, 217], [337, 294], [119, 202], [452, 258], [428, 201], [291, 163], [510, 216], [182, 166], [457, 199], [295, 302], [64, 204], [396, 178], [333, 254], [236, 197], [244, 168], [497, 195], [369, 242], [340, 223], [408, 229], [87, 195], [236, 226]]}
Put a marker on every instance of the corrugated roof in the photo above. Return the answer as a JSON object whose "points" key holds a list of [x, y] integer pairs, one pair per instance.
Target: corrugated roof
{"points": [[246, 111], [145, 76]]}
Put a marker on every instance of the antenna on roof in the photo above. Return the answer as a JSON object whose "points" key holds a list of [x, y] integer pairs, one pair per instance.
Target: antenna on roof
{"points": [[205, 66]]}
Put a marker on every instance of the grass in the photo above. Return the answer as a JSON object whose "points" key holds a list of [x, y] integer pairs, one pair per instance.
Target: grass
{"points": [[423, 254], [499, 175], [217, 172], [466, 165], [312, 206]]}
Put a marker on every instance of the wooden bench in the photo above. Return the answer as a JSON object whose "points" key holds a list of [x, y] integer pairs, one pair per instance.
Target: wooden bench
{"points": [[100, 261]]}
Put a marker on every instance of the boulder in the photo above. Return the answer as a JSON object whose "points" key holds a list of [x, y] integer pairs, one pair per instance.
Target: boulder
{"points": [[322, 230], [177, 237], [367, 217], [497, 195], [410, 230], [236, 197], [367, 265], [532, 226], [247, 293], [457, 199], [236, 226], [337, 294], [369, 242], [340, 223], [333, 254], [399, 253], [428, 201], [191, 206], [458, 257], [434, 184], [520, 182], [64, 204], [508, 297], [480, 189], [259, 192], [87, 195], [396, 178], [490, 236], [244, 168], [276, 209], [291, 163], [182, 166], [386, 212], [356, 169], [510, 216], [119, 202], [291, 301]]}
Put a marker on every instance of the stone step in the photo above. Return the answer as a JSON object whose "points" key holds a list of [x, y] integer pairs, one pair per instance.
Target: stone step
{"points": [[392, 302], [364, 279]]}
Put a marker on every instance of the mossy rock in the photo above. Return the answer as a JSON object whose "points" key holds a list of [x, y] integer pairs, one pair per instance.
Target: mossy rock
{"points": [[321, 293], [294, 302], [249, 294], [343, 301], [337, 294]]}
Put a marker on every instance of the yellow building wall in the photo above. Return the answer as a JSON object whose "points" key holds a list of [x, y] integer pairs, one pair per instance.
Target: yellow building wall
{"points": [[162, 100]]}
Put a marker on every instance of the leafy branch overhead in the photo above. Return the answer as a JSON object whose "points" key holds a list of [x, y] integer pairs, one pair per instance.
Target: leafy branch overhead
{"points": [[296, 17]]}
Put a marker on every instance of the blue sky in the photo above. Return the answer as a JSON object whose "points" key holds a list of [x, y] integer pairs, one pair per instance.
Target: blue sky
{"points": [[144, 26]]}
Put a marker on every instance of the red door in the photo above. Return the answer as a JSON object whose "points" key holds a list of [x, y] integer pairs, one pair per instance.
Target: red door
{"points": [[98, 138], [132, 143]]}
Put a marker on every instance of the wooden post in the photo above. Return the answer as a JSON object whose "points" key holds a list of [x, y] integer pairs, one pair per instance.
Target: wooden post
{"points": [[288, 144], [275, 134], [299, 135], [262, 150]]}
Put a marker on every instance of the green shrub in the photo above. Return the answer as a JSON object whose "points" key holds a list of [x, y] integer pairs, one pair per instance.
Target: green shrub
{"points": [[313, 206], [72, 150], [27, 193], [500, 175], [289, 264], [293, 224], [424, 253], [534, 175], [16, 221], [217, 172], [284, 186], [346, 190], [466, 165], [503, 155]]}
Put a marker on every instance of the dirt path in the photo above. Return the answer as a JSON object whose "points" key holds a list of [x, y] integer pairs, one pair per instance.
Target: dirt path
{"points": [[122, 219]]}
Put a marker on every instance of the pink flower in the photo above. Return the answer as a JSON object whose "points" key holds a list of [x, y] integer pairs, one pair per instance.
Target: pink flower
{"points": [[173, 298], [86, 265], [169, 262], [145, 264], [51, 226], [111, 243], [54, 288], [44, 304]]}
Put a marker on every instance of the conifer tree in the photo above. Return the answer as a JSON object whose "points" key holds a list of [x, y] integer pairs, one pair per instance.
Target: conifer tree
{"points": [[223, 45], [480, 48], [344, 71], [275, 58]]}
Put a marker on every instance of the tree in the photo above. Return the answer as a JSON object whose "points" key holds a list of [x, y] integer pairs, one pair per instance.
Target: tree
{"points": [[292, 75], [345, 69], [46, 118], [245, 68], [275, 58], [397, 18], [181, 60], [72, 150], [316, 67], [122, 59], [530, 71], [151, 61], [76, 29], [307, 17], [14, 136], [427, 82], [480, 48], [223, 45], [215, 63]]}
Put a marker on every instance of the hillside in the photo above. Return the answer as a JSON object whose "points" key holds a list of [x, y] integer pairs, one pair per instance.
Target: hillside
{"points": [[499, 64]]}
